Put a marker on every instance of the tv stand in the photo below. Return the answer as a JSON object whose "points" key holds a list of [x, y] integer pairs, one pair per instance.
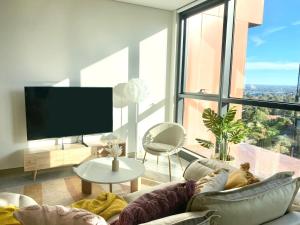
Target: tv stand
{"points": [[78, 142], [36, 159], [82, 142]]}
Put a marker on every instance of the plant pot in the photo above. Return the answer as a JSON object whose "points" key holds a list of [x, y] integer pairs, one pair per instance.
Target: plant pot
{"points": [[229, 158], [115, 165]]}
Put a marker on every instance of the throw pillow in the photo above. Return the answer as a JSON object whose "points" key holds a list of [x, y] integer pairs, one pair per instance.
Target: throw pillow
{"points": [[157, 204], [241, 177], [195, 170], [251, 205], [202, 167], [57, 215], [7, 217], [214, 181]]}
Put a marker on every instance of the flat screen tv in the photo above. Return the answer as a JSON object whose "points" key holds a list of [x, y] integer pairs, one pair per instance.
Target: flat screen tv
{"points": [[53, 112]]}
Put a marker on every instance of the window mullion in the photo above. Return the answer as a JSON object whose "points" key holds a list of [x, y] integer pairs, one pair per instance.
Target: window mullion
{"points": [[226, 59]]}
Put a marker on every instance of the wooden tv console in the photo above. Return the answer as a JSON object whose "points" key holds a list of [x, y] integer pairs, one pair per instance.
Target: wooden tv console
{"points": [[53, 156]]}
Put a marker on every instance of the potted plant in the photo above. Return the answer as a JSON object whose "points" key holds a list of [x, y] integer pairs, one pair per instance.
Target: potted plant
{"points": [[226, 131]]}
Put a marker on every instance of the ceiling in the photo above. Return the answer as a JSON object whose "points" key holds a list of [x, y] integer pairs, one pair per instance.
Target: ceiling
{"points": [[160, 4]]}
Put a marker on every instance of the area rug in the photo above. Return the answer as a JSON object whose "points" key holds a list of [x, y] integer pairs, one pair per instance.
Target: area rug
{"points": [[64, 191]]}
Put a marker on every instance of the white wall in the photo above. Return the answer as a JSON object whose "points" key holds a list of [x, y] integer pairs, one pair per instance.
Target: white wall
{"points": [[81, 42]]}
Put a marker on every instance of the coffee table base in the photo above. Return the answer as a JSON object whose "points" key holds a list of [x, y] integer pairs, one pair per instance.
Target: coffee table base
{"points": [[86, 187]]}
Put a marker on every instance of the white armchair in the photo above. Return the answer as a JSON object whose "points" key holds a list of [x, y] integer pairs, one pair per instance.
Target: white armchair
{"points": [[164, 139]]}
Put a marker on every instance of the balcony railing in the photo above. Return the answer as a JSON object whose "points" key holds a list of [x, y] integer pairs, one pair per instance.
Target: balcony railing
{"points": [[263, 162]]}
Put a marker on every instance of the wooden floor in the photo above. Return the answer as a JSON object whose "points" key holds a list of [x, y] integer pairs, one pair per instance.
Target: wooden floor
{"points": [[62, 187]]}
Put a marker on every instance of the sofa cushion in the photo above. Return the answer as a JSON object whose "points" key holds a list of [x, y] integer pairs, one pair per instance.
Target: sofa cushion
{"points": [[202, 167], [292, 218], [212, 182], [57, 215], [241, 177], [188, 218], [196, 170], [251, 205], [160, 147], [157, 204]]}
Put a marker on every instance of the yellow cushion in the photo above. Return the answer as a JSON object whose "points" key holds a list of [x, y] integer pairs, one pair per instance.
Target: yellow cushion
{"points": [[240, 178], [7, 217]]}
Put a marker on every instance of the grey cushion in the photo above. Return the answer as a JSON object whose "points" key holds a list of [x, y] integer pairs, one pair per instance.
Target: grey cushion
{"points": [[202, 167], [251, 205], [189, 218], [292, 218], [18, 200], [196, 170], [160, 147], [212, 183]]}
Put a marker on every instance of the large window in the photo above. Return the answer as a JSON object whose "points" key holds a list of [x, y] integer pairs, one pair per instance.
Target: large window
{"points": [[266, 50], [243, 53], [203, 50]]}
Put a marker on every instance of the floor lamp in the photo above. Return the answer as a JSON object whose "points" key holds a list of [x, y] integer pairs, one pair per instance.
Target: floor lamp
{"points": [[136, 91], [120, 100]]}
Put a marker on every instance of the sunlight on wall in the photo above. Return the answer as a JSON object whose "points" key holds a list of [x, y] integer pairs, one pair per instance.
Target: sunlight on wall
{"points": [[108, 72], [63, 83], [153, 62]]}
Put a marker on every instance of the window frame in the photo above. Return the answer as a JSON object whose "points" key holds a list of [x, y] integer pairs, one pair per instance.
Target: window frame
{"points": [[223, 98]]}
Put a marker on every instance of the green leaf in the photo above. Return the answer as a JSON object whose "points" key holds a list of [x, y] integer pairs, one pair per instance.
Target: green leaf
{"points": [[224, 128], [229, 117], [205, 143], [212, 121]]}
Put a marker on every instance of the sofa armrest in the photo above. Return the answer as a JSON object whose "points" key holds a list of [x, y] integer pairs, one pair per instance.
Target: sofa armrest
{"points": [[18, 200], [187, 218]]}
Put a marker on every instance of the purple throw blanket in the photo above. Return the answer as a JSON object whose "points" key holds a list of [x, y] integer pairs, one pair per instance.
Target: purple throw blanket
{"points": [[157, 204]]}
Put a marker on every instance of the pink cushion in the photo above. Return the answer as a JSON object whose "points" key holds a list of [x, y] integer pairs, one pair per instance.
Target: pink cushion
{"points": [[157, 204], [57, 215]]}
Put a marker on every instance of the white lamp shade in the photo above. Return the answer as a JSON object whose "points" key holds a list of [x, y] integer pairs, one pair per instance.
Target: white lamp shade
{"points": [[120, 99], [136, 90]]}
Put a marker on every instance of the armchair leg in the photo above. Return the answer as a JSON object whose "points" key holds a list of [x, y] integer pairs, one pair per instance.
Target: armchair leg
{"points": [[170, 172], [144, 157], [179, 161], [157, 160]]}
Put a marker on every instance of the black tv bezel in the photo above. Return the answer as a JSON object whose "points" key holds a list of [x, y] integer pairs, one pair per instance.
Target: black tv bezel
{"points": [[35, 137]]}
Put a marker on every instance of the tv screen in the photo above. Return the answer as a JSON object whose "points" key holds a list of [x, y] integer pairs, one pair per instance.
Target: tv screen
{"points": [[53, 112]]}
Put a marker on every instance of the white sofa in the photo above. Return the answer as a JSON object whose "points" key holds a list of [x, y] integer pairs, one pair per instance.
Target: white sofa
{"points": [[198, 218], [193, 171]]}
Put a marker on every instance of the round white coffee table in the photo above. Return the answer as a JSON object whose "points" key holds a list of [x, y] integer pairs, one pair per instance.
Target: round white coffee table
{"points": [[100, 171]]}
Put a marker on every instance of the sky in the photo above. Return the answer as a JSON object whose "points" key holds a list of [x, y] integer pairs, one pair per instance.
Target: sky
{"points": [[273, 53]]}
